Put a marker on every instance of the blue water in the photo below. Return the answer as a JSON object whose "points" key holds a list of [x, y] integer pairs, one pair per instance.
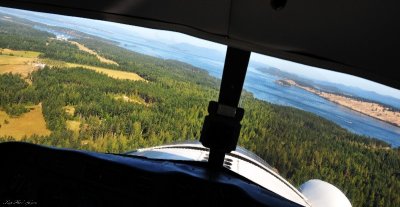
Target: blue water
{"points": [[262, 85]]}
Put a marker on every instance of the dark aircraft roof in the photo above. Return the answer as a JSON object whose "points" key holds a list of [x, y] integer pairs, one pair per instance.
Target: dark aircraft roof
{"points": [[354, 37], [66, 177]]}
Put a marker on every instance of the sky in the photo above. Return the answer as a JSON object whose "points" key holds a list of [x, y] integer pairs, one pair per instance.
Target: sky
{"points": [[288, 66]]}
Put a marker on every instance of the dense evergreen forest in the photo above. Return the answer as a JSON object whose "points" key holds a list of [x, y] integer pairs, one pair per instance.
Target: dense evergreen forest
{"points": [[172, 106]]}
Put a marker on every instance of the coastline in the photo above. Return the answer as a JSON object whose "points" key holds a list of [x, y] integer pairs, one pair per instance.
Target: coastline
{"points": [[371, 109]]}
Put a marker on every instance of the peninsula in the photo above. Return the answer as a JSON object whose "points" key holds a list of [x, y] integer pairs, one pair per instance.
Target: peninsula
{"points": [[369, 108]]}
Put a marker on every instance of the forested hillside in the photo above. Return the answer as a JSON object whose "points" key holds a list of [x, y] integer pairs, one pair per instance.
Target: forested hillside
{"points": [[88, 110]]}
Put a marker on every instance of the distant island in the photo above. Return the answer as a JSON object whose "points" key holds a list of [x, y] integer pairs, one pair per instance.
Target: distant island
{"points": [[369, 108]]}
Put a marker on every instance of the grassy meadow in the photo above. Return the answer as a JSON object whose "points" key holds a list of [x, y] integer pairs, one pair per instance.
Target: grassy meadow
{"points": [[28, 124]]}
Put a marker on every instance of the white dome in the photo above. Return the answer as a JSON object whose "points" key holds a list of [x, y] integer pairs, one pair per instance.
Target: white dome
{"points": [[323, 194]]}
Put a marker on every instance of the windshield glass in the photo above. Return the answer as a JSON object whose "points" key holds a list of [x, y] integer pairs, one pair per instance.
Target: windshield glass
{"points": [[107, 87]]}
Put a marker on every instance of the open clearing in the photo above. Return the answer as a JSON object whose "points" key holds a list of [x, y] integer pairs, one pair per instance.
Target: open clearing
{"points": [[117, 74], [25, 62], [20, 53], [20, 62], [73, 125], [69, 110], [131, 99], [85, 49], [27, 124]]}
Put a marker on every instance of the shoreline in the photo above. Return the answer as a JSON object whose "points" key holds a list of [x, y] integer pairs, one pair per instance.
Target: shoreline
{"points": [[371, 109]]}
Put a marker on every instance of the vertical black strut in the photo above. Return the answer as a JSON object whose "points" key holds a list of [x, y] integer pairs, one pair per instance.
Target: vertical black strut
{"points": [[221, 127]]}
